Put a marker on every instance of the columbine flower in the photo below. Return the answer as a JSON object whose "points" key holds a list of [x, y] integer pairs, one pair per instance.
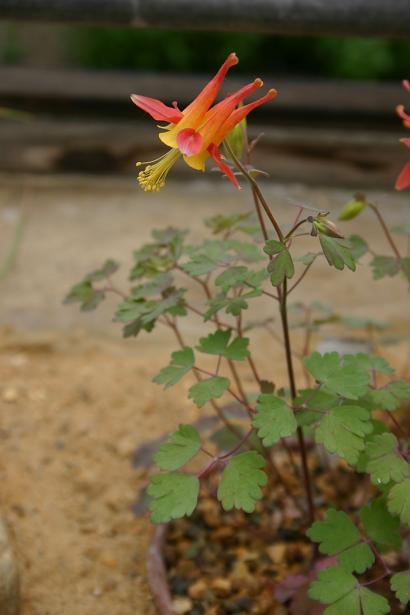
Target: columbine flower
{"points": [[403, 180], [196, 132]]}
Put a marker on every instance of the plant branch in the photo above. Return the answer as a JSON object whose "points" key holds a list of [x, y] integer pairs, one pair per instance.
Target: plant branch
{"points": [[387, 233]]}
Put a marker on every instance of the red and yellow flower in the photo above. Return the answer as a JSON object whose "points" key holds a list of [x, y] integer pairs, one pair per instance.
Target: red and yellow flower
{"points": [[197, 132], [403, 180]]}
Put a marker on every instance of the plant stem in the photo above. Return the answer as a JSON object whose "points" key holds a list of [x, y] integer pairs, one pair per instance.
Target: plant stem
{"points": [[293, 390], [385, 229], [258, 197]]}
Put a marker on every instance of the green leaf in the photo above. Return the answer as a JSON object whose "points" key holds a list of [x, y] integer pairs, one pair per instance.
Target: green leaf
{"points": [[398, 501], [384, 461], [274, 419], [155, 287], [273, 247], [308, 259], [367, 363], [342, 431], [358, 246], [219, 223], [360, 322], [110, 266], [391, 396], [180, 447], [337, 252], [349, 380], [207, 257], [182, 362], [148, 311], [208, 389], [241, 482], [85, 294], [402, 229], [340, 589], [400, 584], [217, 343], [174, 495], [381, 527], [232, 277], [245, 250], [385, 266], [339, 536], [281, 267]]}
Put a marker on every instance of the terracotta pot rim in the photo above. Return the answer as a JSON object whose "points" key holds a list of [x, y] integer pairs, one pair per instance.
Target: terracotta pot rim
{"points": [[156, 571]]}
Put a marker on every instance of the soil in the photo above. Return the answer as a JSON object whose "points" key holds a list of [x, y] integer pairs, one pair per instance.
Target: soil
{"points": [[76, 401]]}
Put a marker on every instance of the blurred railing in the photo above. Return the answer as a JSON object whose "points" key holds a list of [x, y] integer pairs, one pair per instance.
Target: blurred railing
{"points": [[349, 17]]}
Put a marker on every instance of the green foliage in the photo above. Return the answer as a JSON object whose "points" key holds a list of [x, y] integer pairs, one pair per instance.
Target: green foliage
{"points": [[400, 584], [180, 447], [281, 266], [343, 430], [221, 224], [358, 246], [218, 343], [208, 389], [182, 361], [347, 376], [338, 252], [338, 535], [141, 314], [384, 461], [398, 501], [392, 395], [274, 419], [174, 495], [384, 266], [86, 295], [340, 589], [381, 527], [241, 482]]}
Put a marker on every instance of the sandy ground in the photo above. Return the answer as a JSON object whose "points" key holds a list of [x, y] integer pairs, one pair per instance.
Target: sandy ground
{"points": [[76, 400]]}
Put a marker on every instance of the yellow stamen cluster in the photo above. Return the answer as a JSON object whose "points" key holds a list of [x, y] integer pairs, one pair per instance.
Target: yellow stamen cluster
{"points": [[153, 177]]}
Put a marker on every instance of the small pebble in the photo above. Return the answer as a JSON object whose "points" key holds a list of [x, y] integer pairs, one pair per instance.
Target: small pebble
{"points": [[222, 587], [180, 606], [198, 590], [10, 395]]}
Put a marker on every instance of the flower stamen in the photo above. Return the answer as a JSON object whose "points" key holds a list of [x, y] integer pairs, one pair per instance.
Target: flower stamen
{"points": [[153, 177]]}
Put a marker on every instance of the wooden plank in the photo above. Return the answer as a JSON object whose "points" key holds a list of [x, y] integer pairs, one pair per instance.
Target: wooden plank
{"points": [[332, 97], [312, 17], [297, 154]]}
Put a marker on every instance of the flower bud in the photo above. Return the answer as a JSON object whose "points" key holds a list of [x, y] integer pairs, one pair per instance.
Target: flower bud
{"points": [[236, 140], [353, 208], [325, 227]]}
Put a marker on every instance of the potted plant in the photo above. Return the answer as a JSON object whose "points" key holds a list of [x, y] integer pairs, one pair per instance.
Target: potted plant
{"points": [[321, 464]]}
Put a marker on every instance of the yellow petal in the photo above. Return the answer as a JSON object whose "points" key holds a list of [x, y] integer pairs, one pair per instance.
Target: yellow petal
{"points": [[197, 162], [169, 138]]}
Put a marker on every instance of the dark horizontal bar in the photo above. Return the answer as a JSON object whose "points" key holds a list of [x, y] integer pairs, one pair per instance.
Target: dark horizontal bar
{"points": [[27, 84], [389, 18]]}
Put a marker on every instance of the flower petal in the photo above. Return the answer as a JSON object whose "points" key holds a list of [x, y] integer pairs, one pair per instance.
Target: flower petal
{"points": [[216, 155], [406, 141], [239, 114], [156, 109], [404, 116], [403, 180], [206, 97], [189, 142], [406, 84]]}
